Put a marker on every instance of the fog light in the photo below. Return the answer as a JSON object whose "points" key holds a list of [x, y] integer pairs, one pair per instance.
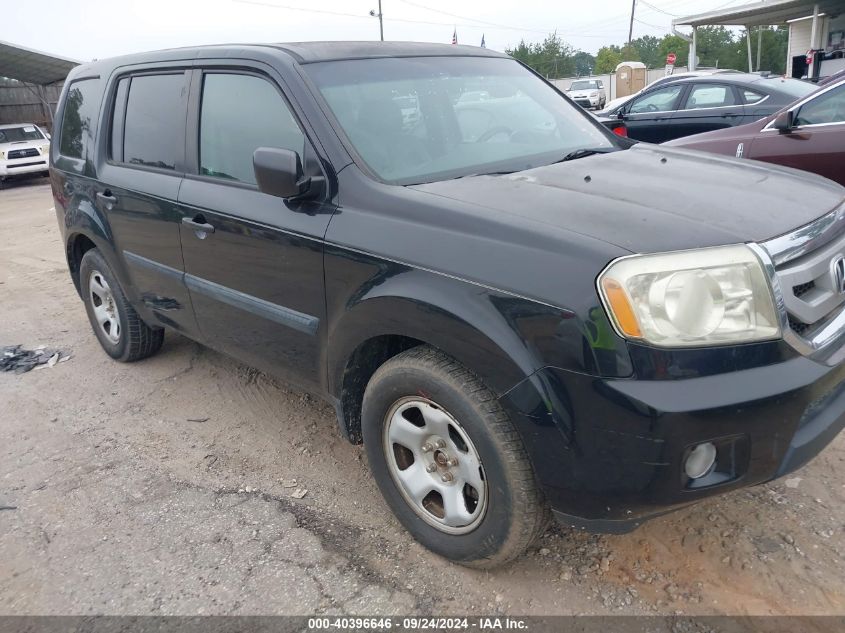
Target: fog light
{"points": [[700, 460]]}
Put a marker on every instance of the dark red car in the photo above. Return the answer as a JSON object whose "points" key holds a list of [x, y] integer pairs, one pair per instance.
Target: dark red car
{"points": [[808, 135]]}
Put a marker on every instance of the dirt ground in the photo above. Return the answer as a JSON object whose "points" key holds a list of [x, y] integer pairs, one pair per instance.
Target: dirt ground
{"points": [[165, 487]]}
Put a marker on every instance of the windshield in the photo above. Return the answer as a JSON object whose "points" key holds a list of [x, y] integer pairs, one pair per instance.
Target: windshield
{"points": [[423, 119], [23, 133], [583, 85]]}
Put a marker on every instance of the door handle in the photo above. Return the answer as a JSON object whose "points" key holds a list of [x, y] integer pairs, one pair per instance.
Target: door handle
{"points": [[200, 226], [107, 198]]}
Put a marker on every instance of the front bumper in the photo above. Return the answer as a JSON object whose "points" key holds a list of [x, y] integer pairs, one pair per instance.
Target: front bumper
{"points": [[19, 166], [588, 102], [609, 453]]}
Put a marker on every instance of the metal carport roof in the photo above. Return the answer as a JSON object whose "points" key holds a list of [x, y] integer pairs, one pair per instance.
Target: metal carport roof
{"points": [[768, 12], [31, 66]]}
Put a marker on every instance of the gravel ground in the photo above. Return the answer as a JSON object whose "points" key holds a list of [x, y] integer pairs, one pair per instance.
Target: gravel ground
{"points": [[170, 486]]}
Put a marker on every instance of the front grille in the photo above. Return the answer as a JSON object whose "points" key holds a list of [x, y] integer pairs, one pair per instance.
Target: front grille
{"points": [[798, 327], [38, 162], [811, 291], [802, 289], [23, 153]]}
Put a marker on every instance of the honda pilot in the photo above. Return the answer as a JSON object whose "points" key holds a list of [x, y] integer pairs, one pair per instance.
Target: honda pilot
{"points": [[517, 312]]}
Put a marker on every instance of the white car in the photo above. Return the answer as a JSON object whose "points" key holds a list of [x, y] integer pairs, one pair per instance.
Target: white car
{"points": [[588, 93], [24, 149]]}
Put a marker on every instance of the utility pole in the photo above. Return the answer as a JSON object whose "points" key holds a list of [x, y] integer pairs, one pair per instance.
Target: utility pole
{"points": [[380, 20], [631, 26]]}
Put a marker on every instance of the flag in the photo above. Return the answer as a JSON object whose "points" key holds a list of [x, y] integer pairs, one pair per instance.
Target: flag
{"points": [[483, 45], [455, 36]]}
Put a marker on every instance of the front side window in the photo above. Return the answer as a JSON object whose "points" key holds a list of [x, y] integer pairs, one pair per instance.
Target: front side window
{"points": [[155, 118], [23, 133], [239, 114], [79, 118], [662, 100], [826, 108], [710, 96], [423, 119]]}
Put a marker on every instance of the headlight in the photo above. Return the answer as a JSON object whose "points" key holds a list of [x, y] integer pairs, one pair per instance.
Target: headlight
{"points": [[712, 296], [594, 94], [44, 149]]}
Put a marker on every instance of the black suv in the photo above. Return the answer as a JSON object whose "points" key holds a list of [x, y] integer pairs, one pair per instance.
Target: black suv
{"points": [[514, 309]]}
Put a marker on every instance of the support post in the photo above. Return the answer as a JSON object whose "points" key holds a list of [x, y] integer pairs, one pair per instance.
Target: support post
{"points": [[759, 46], [693, 49], [748, 41]]}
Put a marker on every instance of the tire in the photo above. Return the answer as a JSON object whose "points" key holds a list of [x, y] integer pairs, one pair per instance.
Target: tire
{"points": [[117, 326], [492, 501]]}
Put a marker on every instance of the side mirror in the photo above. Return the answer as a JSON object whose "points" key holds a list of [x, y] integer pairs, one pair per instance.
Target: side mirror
{"points": [[278, 172], [784, 122]]}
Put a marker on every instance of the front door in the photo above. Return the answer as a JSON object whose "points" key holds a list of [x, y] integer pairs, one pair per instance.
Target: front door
{"points": [[253, 262], [817, 143], [649, 116]]}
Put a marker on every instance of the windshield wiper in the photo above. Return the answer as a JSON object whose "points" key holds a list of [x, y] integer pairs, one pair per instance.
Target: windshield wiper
{"points": [[584, 152]]}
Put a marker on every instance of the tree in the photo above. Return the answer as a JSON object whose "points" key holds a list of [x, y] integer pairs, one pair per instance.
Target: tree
{"points": [[648, 51], [607, 59], [674, 44], [584, 63], [551, 58]]}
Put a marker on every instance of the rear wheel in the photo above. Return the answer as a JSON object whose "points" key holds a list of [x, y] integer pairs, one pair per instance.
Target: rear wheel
{"points": [[116, 324], [448, 460]]}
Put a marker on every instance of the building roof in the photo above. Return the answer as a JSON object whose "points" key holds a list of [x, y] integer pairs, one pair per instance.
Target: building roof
{"points": [[767, 12], [31, 66]]}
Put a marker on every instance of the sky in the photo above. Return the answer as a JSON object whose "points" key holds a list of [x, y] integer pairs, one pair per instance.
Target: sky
{"points": [[94, 29]]}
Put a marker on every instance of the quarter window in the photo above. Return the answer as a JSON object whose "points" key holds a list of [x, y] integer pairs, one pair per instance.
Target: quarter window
{"points": [[658, 101], [826, 108], [155, 119], [79, 118], [752, 97], [710, 96], [240, 113]]}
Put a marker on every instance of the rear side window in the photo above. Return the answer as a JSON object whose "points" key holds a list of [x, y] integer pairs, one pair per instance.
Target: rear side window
{"points": [[79, 118], [154, 121], [240, 113], [710, 96]]}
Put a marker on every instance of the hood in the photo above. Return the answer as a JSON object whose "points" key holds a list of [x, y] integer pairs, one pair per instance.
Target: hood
{"points": [[24, 144], [582, 93], [653, 199]]}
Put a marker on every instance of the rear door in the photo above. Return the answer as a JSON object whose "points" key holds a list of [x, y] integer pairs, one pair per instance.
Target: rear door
{"points": [[139, 185], [707, 107], [648, 117], [256, 273], [816, 144]]}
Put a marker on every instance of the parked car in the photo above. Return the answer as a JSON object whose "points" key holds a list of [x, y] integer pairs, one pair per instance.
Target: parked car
{"points": [[514, 321], [808, 134], [611, 108], [24, 150], [588, 93], [703, 104]]}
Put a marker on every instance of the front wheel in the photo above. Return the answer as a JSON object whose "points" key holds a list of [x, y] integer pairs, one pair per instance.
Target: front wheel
{"points": [[448, 460]]}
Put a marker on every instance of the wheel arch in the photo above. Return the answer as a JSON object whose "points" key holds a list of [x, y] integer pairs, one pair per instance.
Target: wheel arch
{"points": [[469, 326]]}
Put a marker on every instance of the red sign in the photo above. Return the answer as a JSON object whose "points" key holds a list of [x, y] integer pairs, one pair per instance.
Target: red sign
{"points": [[670, 58]]}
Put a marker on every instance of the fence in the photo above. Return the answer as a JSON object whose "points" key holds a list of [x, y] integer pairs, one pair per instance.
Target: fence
{"points": [[652, 74], [28, 103]]}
